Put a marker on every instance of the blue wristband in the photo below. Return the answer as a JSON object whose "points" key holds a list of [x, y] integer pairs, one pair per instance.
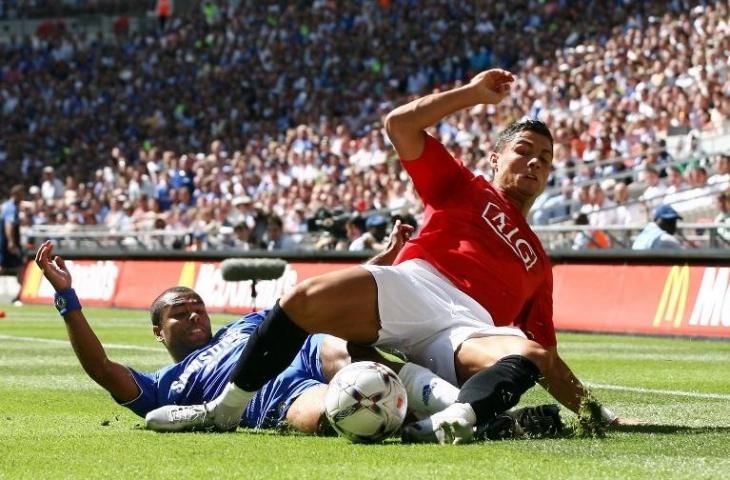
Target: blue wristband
{"points": [[66, 301]]}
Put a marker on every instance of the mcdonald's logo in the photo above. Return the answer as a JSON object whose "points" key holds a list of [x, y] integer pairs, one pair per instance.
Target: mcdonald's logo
{"points": [[674, 297]]}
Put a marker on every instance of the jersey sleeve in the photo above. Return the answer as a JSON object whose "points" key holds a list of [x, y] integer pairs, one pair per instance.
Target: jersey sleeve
{"points": [[147, 399], [537, 322], [436, 173], [8, 213]]}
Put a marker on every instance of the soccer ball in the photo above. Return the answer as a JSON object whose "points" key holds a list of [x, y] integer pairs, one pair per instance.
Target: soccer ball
{"points": [[366, 402]]}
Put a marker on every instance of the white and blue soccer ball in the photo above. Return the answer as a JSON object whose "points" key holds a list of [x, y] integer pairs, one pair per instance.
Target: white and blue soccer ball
{"points": [[366, 402]]}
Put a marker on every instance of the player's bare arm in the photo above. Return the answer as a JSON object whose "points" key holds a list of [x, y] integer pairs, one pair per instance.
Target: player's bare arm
{"points": [[561, 383], [565, 387], [398, 237], [114, 377], [406, 123]]}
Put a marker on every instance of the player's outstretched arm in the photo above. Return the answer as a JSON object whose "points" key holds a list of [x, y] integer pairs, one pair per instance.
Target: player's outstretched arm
{"points": [[564, 386], [406, 123], [115, 378], [561, 383]]}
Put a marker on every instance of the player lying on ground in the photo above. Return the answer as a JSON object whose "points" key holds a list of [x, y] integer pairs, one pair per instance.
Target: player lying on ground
{"points": [[204, 361], [470, 298]]}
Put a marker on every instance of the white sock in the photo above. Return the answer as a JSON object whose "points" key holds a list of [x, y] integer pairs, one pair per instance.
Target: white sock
{"points": [[427, 392], [462, 411], [233, 397]]}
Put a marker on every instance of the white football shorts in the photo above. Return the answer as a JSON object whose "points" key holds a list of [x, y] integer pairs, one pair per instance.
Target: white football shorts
{"points": [[426, 317]]}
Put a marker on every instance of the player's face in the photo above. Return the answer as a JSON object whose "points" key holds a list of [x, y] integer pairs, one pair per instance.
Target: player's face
{"points": [[185, 325], [522, 168]]}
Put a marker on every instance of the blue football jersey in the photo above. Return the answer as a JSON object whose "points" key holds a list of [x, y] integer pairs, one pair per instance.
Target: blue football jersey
{"points": [[203, 374]]}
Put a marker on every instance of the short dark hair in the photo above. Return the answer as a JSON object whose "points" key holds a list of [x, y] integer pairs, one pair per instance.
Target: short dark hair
{"points": [[356, 221], [275, 220], [526, 124], [161, 302], [674, 169], [242, 225]]}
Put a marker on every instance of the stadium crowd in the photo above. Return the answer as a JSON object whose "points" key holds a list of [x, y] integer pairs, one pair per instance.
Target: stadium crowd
{"points": [[19, 9], [255, 124]]}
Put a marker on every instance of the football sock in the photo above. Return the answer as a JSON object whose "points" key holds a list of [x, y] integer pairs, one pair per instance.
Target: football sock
{"points": [[269, 350], [427, 392], [499, 387], [232, 397]]}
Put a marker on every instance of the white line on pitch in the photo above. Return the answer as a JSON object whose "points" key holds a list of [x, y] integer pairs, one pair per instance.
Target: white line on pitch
{"points": [[619, 388], [66, 342], [678, 393]]}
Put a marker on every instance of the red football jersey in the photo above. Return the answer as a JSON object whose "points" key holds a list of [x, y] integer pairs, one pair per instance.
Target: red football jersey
{"points": [[477, 239]]}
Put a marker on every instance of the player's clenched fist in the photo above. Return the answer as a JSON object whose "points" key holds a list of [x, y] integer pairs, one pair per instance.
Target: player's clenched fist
{"points": [[492, 85]]}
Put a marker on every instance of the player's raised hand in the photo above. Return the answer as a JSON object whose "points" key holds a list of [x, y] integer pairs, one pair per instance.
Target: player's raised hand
{"points": [[492, 85], [53, 267], [399, 236]]}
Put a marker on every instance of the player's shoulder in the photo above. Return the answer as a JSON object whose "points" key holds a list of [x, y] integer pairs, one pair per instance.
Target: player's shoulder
{"points": [[249, 320]]}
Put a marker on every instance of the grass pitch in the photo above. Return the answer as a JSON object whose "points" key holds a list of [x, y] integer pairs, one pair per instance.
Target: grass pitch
{"points": [[56, 423]]}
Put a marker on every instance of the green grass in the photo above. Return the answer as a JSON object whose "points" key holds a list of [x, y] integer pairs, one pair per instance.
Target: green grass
{"points": [[56, 423]]}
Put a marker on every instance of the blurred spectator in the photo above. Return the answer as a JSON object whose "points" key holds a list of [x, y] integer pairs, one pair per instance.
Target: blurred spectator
{"points": [[199, 242], [373, 238], [354, 229], [676, 187], [655, 189], [163, 10], [659, 234], [589, 238], [602, 211], [723, 205], [275, 238], [699, 195], [628, 212], [720, 180], [558, 207], [241, 236], [51, 187]]}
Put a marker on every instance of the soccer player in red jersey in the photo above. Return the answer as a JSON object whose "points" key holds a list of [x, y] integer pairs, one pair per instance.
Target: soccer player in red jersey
{"points": [[470, 297]]}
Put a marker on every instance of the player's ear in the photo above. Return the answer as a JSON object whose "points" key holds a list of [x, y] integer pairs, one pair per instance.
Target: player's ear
{"points": [[157, 331], [493, 160]]}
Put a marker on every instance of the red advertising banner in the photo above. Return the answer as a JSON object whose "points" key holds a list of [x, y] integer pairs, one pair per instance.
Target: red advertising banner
{"points": [[671, 300], [668, 300], [95, 281], [143, 280]]}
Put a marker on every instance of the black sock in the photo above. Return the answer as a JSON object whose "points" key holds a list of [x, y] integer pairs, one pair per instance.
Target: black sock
{"points": [[269, 350], [499, 387]]}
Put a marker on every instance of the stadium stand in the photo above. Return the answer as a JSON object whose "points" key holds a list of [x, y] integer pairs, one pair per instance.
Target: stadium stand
{"points": [[19, 9], [241, 114]]}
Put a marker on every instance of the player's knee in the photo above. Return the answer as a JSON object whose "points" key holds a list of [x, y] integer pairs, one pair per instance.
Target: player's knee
{"points": [[538, 355], [301, 301], [334, 356]]}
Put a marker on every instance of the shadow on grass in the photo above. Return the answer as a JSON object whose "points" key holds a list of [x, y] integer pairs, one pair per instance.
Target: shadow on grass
{"points": [[668, 429]]}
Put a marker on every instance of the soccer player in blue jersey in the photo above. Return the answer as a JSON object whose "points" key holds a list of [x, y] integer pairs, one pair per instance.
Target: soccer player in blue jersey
{"points": [[204, 362], [11, 253]]}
